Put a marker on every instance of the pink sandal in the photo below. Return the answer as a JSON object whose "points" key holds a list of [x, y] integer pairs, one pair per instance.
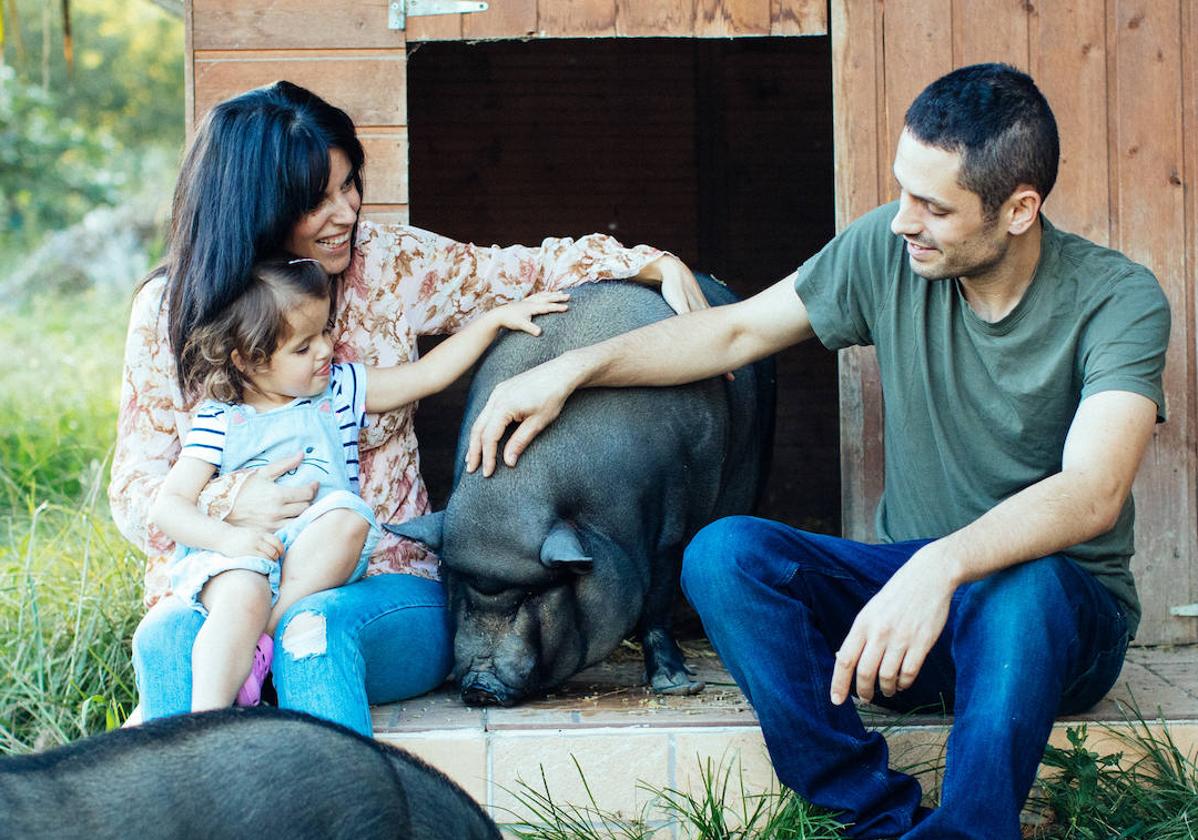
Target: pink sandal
{"points": [[250, 693]]}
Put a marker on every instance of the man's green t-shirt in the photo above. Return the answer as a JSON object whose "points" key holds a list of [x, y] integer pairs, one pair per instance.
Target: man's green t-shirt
{"points": [[977, 411]]}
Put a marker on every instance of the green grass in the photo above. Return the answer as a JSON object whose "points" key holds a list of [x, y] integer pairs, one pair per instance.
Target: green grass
{"points": [[69, 583], [723, 809], [60, 387]]}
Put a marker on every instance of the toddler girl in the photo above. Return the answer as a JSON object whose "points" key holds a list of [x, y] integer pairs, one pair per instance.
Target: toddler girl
{"points": [[273, 390]]}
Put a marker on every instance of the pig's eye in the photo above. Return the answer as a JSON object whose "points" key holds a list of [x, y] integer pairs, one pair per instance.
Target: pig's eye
{"points": [[488, 587]]}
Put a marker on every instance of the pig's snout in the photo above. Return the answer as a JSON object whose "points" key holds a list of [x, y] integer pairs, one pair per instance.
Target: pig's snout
{"points": [[483, 688]]}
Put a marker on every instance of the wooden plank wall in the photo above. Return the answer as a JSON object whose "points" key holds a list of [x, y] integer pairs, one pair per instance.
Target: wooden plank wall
{"points": [[343, 52], [1121, 78], [626, 18]]}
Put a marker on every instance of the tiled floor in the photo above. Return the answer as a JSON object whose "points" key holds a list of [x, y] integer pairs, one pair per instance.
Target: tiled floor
{"points": [[619, 733], [1162, 681]]}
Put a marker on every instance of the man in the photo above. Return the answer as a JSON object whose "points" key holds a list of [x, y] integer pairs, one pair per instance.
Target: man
{"points": [[1022, 372]]}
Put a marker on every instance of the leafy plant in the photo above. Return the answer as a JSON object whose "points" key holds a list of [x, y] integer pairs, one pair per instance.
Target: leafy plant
{"points": [[1148, 790]]}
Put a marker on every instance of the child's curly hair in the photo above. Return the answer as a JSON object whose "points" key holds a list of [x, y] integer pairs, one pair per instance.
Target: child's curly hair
{"points": [[255, 325]]}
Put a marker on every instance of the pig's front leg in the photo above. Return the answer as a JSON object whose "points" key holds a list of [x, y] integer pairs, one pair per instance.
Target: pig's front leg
{"points": [[666, 670]]}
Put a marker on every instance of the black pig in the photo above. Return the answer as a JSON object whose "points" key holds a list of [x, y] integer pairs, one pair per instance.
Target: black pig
{"points": [[552, 564], [232, 774]]}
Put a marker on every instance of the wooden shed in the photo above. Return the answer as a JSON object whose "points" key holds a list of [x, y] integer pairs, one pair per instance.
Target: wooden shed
{"points": [[741, 134]]}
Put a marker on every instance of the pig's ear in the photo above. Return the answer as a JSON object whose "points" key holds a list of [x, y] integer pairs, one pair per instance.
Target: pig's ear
{"points": [[562, 550], [425, 529]]}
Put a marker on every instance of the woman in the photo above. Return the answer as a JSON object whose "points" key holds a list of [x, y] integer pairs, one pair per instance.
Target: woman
{"points": [[280, 169]]}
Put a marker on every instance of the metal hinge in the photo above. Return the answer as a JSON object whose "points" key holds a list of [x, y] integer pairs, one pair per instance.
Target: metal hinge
{"points": [[1188, 611], [400, 10]]}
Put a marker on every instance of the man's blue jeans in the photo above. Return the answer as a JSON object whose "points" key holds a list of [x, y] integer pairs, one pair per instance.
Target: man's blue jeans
{"points": [[1020, 647]]}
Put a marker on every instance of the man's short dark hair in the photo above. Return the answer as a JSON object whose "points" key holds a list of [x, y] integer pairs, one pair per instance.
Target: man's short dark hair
{"points": [[995, 117]]}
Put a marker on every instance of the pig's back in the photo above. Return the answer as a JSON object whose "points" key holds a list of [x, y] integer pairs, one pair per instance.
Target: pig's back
{"points": [[695, 449]]}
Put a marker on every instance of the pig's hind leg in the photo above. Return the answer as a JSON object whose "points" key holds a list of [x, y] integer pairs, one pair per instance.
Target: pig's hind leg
{"points": [[666, 670]]}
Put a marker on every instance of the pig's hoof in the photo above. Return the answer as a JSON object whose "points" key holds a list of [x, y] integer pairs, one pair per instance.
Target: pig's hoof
{"points": [[676, 684]]}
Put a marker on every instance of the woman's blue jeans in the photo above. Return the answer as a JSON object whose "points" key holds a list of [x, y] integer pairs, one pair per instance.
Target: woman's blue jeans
{"points": [[381, 639], [1020, 647]]}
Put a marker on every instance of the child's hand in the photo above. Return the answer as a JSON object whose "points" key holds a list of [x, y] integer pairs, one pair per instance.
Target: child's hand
{"points": [[519, 315], [254, 541]]}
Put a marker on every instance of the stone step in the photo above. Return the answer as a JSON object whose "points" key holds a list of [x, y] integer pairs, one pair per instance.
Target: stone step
{"points": [[624, 738]]}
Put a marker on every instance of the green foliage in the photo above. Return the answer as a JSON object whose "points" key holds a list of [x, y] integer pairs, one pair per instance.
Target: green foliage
{"points": [[544, 818], [128, 70], [723, 812], [71, 140], [74, 140], [51, 167]]}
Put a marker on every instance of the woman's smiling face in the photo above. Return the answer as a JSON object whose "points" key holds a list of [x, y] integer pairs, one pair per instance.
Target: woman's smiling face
{"points": [[324, 233]]}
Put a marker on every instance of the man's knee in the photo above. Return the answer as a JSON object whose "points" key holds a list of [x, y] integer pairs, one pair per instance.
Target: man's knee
{"points": [[1024, 596], [1017, 623], [713, 552], [732, 553]]}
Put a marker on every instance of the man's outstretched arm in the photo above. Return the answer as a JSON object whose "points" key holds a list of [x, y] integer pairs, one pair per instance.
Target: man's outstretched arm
{"points": [[681, 349], [894, 632]]}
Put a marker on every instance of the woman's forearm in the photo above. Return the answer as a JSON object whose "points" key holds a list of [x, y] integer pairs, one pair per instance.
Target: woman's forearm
{"points": [[391, 388]]}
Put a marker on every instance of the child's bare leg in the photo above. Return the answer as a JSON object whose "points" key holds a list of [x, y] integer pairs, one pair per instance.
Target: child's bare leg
{"points": [[238, 604], [322, 557]]}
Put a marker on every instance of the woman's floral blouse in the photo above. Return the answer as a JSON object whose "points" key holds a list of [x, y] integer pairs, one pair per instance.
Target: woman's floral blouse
{"points": [[402, 282]]}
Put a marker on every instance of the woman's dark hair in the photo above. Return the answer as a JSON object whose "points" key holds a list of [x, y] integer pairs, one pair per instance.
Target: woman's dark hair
{"points": [[258, 163], [995, 117], [255, 325]]}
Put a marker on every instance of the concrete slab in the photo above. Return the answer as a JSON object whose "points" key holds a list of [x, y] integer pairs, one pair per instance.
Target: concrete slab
{"points": [[624, 737]]}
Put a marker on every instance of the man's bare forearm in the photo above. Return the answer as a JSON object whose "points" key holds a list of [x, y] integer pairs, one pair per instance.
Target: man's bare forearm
{"points": [[1063, 510], [694, 346], [1102, 454], [682, 349]]}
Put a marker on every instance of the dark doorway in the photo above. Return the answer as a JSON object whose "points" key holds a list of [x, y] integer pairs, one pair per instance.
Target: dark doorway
{"points": [[717, 150]]}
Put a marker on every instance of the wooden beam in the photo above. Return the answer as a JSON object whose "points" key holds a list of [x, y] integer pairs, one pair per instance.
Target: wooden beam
{"points": [[292, 24], [992, 31], [798, 17], [668, 17], [729, 18], [369, 84], [576, 18], [857, 97]]}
